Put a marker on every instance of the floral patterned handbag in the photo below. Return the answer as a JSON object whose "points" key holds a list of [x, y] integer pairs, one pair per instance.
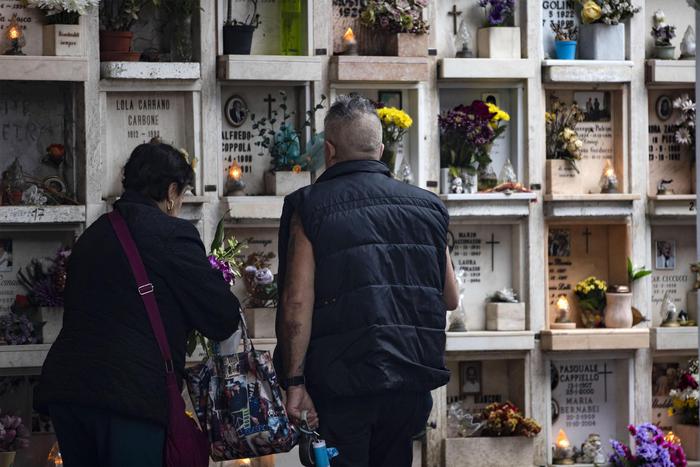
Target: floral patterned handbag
{"points": [[239, 405]]}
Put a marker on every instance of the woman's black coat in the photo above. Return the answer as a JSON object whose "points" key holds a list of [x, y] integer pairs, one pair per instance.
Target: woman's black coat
{"points": [[106, 355]]}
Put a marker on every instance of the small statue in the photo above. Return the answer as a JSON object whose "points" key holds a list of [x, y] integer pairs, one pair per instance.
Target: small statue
{"points": [[405, 173], [457, 186], [669, 312], [463, 41], [592, 451], [507, 174], [663, 189], [688, 44], [32, 196]]}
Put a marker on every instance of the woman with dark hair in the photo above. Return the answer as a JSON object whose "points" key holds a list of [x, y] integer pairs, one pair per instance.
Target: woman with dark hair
{"points": [[103, 381]]}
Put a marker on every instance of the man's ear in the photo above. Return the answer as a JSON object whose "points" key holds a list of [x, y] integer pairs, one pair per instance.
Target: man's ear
{"points": [[329, 152], [381, 151]]}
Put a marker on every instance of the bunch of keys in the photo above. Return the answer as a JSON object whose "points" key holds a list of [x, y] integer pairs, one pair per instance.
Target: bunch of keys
{"points": [[312, 449]]}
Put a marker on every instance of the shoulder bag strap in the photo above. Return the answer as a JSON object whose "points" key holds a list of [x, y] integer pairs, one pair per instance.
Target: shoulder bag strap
{"points": [[144, 286]]}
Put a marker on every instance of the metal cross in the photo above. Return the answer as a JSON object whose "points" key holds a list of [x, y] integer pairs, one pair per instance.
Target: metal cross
{"points": [[454, 13], [493, 244], [587, 233], [269, 99], [605, 374]]}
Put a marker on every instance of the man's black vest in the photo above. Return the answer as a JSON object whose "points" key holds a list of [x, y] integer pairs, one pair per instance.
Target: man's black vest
{"points": [[379, 314]]}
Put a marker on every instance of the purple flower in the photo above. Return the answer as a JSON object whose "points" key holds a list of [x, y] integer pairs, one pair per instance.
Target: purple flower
{"points": [[264, 276]]}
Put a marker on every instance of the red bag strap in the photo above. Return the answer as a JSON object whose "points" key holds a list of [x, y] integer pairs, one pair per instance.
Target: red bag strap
{"points": [[144, 286]]}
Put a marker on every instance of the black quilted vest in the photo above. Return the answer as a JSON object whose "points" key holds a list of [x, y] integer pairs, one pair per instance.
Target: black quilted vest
{"points": [[379, 315]]}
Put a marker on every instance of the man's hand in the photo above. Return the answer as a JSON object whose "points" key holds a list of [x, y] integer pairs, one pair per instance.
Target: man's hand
{"points": [[298, 400]]}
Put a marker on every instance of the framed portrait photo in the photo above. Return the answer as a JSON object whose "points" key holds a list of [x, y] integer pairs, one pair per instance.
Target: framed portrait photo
{"points": [[391, 99], [5, 255], [594, 104], [236, 111], [469, 378], [664, 108], [665, 254]]}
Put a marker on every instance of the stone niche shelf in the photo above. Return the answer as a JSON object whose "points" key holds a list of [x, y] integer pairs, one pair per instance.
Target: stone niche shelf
{"points": [[150, 70], [268, 68], [585, 71], [23, 356], [594, 339], [683, 338], [482, 341], [42, 214], [672, 206], [379, 69], [594, 205], [255, 207], [483, 68], [675, 72], [515, 205], [40, 68]]}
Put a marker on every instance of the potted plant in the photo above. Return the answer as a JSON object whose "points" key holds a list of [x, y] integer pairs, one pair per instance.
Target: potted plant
{"points": [[45, 282], [684, 400], [500, 428], [651, 448], [500, 38], [564, 40], [685, 130], [395, 124], [238, 35], [662, 34], [402, 22], [504, 312], [62, 35], [590, 293], [261, 285], [291, 169], [563, 147], [117, 17], [467, 133], [13, 437], [602, 34], [179, 26]]}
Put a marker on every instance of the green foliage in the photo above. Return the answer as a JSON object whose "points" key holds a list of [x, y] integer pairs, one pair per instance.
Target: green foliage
{"points": [[122, 15], [635, 274]]}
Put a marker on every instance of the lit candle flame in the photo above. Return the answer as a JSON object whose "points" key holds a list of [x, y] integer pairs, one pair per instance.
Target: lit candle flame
{"points": [[235, 172], [672, 438], [244, 462], [14, 33], [562, 440], [609, 170], [563, 303], [349, 36]]}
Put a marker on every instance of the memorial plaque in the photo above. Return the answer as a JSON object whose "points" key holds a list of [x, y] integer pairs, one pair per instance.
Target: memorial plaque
{"points": [[267, 38], [31, 20], [585, 398], [559, 12], [668, 160], [483, 259], [664, 377], [673, 250], [238, 137], [18, 249], [136, 118]]}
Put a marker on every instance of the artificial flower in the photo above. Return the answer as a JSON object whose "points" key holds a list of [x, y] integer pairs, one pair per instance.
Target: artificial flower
{"points": [[296, 169], [591, 12]]}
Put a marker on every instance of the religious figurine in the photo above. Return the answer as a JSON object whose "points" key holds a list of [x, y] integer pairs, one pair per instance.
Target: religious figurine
{"points": [[507, 174], [663, 189], [592, 451], [457, 186], [32, 196], [405, 174], [669, 312], [688, 44], [463, 42]]}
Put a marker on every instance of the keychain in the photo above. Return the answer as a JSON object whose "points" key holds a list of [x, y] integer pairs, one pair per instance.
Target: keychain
{"points": [[312, 449]]}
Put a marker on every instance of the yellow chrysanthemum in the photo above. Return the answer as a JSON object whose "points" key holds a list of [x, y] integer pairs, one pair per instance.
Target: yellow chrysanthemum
{"points": [[394, 116]]}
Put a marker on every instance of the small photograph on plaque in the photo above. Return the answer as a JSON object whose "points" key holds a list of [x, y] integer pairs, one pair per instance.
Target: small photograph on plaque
{"points": [[470, 377], [5, 254], [665, 254], [595, 105], [559, 242]]}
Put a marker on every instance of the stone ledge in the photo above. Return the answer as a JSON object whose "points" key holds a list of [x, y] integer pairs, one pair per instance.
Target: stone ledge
{"points": [[379, 69], [269, 68], [42, 214], [670, 72], [595, 205], [23, 356], [672, 206], [255, 207], [595, 339], [39, 68], [586, 71], [682, 338], [486, 68], [515, 205], [150, 70], [484, 341]]}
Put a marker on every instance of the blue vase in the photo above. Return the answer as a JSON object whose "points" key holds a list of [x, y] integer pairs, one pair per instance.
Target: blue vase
{"points": [[566, 50]]}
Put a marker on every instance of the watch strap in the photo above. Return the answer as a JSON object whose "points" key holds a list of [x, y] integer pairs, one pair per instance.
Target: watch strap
{"points": [[293, 381]]}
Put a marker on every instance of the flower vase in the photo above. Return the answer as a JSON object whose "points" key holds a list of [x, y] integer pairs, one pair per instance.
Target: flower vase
{"points": [[689, 440], [283, 183], [566, 50], [487, 179], [445, 180], [665, 52], [498, 42], [602, 42], [618, 310], [7, 459], [389, 157]]}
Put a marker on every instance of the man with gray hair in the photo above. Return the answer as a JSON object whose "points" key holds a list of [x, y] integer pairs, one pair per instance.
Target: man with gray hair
{"points": [[365, 281]]}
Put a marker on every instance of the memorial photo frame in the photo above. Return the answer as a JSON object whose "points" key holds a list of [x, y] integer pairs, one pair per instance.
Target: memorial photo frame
{"points": [[595, 105], [559, 243], [470, 378], [391, 98], [236, 111], [665, 254], [664, 107], [5, 255]]}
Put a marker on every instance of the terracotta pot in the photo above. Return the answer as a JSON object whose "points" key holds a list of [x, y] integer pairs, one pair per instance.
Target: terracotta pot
{"points": [[115, 41], [618, 311], [7, 459]]}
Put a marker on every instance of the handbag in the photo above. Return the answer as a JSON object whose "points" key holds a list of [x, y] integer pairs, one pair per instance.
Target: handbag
{"points": [[185, 444], [239, 402]]}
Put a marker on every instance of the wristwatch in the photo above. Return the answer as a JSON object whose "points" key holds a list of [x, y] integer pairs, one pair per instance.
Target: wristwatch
{"points": [[294, 381]]}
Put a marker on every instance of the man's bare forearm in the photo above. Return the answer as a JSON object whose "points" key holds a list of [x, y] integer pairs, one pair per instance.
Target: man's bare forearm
{"points": [[296, 332]]}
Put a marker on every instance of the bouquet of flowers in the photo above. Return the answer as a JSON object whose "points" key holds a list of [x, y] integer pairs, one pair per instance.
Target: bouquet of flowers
{"points": [[395, 124], [663, 34], [507, 420], [63, 11], [13, 434], [467, 133], [590, 293], [45, 280], [395, 16], [16, 329], [651, 449], [609, 12], [685, 133], [498, 12], [562, 140], [259, 280], [685, 396]]}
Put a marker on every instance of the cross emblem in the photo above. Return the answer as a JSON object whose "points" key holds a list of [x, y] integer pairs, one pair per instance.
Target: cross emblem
{"points": [[605, 374], [493, 244], [269, 99], [587, 233], [454, 13]]}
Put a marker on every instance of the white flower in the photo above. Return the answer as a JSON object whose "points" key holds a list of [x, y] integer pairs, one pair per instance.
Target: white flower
{"points": [[678, 102], [52, 7], [683, 136], [688, 106]]}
